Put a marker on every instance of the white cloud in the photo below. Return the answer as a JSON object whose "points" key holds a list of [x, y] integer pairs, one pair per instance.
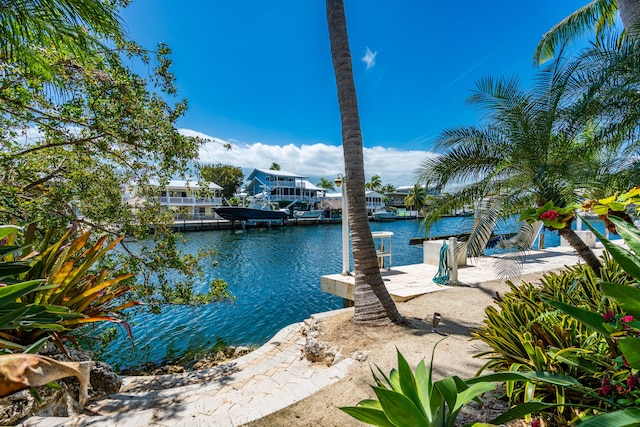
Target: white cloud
{"points": [[315, 161], [369, 58]]}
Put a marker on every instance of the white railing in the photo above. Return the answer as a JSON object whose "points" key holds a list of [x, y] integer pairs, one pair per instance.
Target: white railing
{"points": [[191, 201]]}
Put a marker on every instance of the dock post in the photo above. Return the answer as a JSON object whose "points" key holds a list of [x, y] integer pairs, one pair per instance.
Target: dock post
{"points": [[453, 260]]}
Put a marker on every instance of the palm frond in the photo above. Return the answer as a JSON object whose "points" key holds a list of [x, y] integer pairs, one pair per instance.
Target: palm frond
{"points": [[598, 14]]}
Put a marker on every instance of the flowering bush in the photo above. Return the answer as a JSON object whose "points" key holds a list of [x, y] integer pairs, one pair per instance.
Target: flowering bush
{"points": [[552, 217]]}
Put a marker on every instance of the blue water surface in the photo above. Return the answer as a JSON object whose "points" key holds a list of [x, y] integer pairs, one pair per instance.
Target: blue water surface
{"points": [[274, 275]]}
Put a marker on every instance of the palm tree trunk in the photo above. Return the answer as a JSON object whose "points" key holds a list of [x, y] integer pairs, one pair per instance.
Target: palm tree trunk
{"points": [[630, 15], [583, 250], [372, 302]]}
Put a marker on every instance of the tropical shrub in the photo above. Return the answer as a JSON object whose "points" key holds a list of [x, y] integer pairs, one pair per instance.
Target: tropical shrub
{"points": [[407, 398], [527, 334], [56, 283]]}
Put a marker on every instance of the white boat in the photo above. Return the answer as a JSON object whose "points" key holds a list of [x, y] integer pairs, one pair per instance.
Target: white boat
{"points": [[384, 215], [311, 214]]}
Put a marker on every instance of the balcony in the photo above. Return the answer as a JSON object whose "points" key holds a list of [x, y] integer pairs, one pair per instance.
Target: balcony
{"points": [[190, 201]]}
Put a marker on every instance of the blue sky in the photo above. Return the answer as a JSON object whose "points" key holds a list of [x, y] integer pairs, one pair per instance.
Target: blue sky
{"points": [[258, 73]]}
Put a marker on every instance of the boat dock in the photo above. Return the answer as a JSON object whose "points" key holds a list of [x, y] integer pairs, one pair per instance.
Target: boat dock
{"points": [[184, 225], [409, 281]]}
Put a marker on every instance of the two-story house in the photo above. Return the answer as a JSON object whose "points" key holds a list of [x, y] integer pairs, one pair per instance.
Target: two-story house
{"points": [[283, 186], [183, 198]]}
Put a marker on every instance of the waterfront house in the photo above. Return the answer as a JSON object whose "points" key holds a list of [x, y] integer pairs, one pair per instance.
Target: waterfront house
{"points": [[373, 198], [281, 186], [182, 197]]}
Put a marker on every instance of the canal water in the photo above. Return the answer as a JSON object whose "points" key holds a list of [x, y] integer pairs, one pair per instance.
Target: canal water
{"points": [[274, 275]]}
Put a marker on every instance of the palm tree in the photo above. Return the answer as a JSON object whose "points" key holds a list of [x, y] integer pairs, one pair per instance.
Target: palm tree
{"points": [[274, 167], [30, 29], [388, 188], [375, 184], [417, 198], [372, 301], [598, 15], [534, 148], [326, 184]]}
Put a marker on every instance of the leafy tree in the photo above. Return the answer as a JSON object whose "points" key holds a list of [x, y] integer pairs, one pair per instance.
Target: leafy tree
{"points": [[70, 151], [326, 184], [372, 300], [532, 149], [598, 15], [230, 178], [375, 184], [274, 167]]}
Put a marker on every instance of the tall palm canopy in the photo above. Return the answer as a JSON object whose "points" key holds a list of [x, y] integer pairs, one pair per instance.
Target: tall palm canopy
{"points": [[373, 304], [597, 16], [35, 31], [532, 148]]}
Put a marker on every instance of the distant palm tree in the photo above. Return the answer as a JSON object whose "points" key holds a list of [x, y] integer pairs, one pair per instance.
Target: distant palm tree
{"points": [[598, 15], [326, 184], [535, 147], [416, 198], [388, 188], [375, 184], [373, 304], [274, 167]]}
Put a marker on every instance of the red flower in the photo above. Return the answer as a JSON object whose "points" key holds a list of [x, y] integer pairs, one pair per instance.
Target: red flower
{"points": [[549, 215], [633, 381], [608, 316], [628, 318]]}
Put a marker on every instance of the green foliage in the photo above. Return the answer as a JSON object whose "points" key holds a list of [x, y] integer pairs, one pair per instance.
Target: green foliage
{"points": [[527, 334], [72, 292], [326, 184], [375, 184], [74, 138], [407, 399], [36, 33], [230, 178], [551, 216]]}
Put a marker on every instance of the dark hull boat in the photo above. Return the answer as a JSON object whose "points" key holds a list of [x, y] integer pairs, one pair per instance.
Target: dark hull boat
{"points": [[249, 214]]}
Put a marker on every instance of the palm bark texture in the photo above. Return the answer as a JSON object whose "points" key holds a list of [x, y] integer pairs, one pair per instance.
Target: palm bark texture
{"points": [[373, 304]]}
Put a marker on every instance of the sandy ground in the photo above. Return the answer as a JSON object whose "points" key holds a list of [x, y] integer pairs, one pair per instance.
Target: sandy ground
{"points": [[461, 308]]}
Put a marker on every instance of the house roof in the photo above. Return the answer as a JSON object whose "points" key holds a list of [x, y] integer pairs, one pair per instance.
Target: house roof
{"points": [[332, 204], [274, 173]]}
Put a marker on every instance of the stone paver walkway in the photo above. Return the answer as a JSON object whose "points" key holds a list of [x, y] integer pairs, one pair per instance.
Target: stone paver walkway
{"points": [[259, 383]]}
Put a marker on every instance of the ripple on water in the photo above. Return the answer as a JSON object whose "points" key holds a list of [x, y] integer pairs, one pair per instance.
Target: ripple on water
{"points": [[274, 275]]}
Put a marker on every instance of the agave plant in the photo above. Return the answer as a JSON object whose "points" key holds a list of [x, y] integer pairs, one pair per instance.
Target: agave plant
{"points": [[407, 398]]}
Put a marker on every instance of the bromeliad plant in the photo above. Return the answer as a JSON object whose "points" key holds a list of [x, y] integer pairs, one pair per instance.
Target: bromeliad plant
{"points": [[552, 217], [72, 291]]}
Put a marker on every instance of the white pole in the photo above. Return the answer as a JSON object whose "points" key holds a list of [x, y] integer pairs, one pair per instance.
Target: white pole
{"points": [[453, 263], [578, 221], [345, 230]]}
